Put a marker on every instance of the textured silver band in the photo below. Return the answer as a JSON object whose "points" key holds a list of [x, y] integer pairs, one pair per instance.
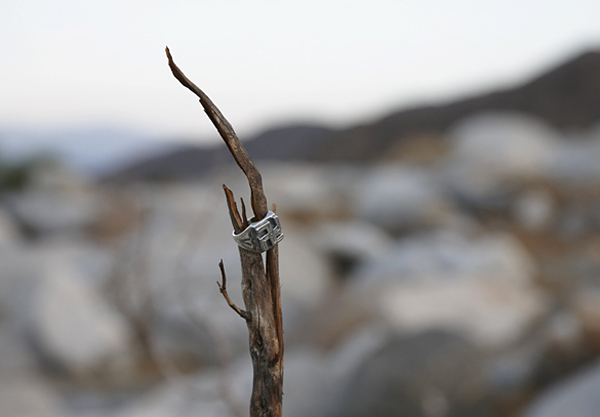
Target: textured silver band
{"points": [[262, 235]]}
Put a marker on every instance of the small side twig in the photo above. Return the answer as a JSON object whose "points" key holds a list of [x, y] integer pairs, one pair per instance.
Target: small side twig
{"points": [[223, 289]]}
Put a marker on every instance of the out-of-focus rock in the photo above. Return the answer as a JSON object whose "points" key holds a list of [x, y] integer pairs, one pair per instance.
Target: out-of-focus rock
{"points": [[308, 375], [448, 256], [534, 210], [319, 375], [503, 146], [28, 396], [586, 306], [304, 272], [461, 223], [479, 287], [564, 331], [323, 376], [348, 244], [397, 197], [24, 268], [46, 211], [188, 340], [419, 371], [429, 374], [511, 371], [9, 232], [309, 193], [185, 396], [425, 149], [576, 396], [337, 317], [356, 241], [72, 325], [94, 263], [490, 314], [117, 216], [575, 161], [58, 177], [494, 151], [311, 373], [18, 358], [562, 347], [23, 389], [58, 200]]}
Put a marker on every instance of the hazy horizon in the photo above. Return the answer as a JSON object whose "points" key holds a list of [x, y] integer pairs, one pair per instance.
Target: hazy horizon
{"points": [[69, 63]]}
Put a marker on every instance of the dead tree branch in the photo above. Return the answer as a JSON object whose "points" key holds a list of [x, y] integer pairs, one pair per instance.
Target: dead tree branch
{"points": [[223, 289], [260, 286]]}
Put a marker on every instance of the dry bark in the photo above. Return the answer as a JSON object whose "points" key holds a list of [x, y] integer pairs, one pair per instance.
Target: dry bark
{"points": [[260, 285]]}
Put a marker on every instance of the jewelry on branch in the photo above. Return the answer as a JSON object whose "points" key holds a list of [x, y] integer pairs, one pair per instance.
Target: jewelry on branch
{"points": [[260, 236]]}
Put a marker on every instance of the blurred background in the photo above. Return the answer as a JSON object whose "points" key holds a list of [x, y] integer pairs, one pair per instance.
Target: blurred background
{"points": [[435, 167]]}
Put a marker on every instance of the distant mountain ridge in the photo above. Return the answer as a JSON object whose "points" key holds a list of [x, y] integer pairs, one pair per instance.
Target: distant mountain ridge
{"points": [[566, 97], [291, 143], [94, 150]]}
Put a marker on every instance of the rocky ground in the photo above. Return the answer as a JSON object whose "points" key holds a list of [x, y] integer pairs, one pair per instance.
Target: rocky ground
{"points": [[458, 277]]}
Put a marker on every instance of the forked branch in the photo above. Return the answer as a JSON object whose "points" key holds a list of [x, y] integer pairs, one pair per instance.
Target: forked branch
{"points": [[260, 286]]}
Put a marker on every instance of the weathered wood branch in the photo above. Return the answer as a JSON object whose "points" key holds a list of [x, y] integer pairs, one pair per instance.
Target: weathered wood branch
{"points": [[223, 289], [260, 286], [259, 201]]}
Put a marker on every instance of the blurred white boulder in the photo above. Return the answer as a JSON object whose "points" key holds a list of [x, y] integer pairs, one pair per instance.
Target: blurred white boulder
{"points": [[351, 242], [507, 145], [396, 197], [480, 287], [534, 210], [27, 395], [305, 274], [72, 324], [449, 256], [493, 150], [574, 161], [310, 192]]}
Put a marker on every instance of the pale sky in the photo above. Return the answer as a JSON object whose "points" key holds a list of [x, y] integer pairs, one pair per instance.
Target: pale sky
{"points": [[71, 63]]}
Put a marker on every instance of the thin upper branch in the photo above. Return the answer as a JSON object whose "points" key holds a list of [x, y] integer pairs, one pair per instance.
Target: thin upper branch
{"points": [[259, 201], [223, 289]]}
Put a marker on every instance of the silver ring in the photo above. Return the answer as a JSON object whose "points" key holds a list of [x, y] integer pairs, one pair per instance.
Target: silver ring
{"points": [[262, 235]]}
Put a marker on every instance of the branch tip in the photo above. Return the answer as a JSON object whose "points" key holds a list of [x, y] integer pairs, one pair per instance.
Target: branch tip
{"points": [[236, 220], [244, 217], [258, 199]]}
